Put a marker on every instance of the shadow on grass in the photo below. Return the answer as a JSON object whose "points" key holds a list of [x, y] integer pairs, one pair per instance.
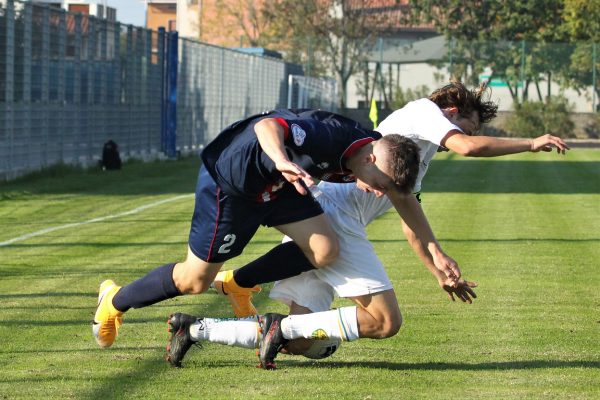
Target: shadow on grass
{"points": [[109, 386], [497, 176], [445, 366], [516, 240], [135, 178], [111, 245], [466, 176]]}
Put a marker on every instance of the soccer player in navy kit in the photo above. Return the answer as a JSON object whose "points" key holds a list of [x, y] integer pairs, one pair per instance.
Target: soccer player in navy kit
{"points": [[450, 117], [255, 173]]}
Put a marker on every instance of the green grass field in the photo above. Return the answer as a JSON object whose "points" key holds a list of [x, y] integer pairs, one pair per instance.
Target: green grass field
{"points": [[526, 228]]}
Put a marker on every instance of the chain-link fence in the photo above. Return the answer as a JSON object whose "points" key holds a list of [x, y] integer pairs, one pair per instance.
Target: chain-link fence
{"points": [[310, 92], [70, 82], [217, 86]]}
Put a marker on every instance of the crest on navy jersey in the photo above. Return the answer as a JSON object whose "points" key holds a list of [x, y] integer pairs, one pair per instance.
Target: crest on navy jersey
{"points": [[323, 165], [298, 134]]}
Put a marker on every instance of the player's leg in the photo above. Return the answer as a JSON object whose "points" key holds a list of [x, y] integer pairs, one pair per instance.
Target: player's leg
{"points": [[357, 273], [303, 294], [378, 315], [211, 243], [315, 245], [244, 332], [187, 330], [194, 276], [316, 239], [302, 218], [301, 345], [165, 282]]}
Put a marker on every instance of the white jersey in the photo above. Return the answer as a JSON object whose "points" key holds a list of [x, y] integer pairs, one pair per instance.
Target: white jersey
{"points": [[422, 121], [358, 271]]}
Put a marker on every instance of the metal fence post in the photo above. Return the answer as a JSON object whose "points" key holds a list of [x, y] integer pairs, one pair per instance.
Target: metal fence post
{"points": [[104, 71], [129, 74], [9, 62], [148, 84], [45, 92], [116, 65], [89, 102], [161, 49], [62, 110], [77, 64], [26, 98], [171, 99]]}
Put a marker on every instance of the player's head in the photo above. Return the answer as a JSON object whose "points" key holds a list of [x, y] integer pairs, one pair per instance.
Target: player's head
{"points": [[392, 163], [468, 109]]}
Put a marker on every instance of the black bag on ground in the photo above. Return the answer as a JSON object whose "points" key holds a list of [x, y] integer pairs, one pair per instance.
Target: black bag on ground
{"points": [[110, 156]]}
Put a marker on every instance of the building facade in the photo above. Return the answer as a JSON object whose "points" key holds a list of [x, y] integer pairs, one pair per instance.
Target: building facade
{"points": [[175, 15], [96, 8]]}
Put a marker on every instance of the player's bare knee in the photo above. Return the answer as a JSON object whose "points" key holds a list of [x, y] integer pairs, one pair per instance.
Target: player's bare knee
{"points": [[192, 285], [198, 287], [392, 327], [189, 280], [389, 326], [326, 255]]}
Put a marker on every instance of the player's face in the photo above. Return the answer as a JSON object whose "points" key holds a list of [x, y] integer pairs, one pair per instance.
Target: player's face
{"points": [[375, 177], [378, 185]]}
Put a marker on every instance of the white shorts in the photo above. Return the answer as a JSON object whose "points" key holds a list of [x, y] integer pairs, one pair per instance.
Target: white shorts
{"points": [[356, 272]]}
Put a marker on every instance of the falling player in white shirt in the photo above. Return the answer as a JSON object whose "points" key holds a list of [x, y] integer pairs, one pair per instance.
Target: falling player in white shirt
{"points": [[449, 119]]}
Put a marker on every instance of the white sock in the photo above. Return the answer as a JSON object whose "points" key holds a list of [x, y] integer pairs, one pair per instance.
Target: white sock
{"points": [[239, 332], [341, 324]]}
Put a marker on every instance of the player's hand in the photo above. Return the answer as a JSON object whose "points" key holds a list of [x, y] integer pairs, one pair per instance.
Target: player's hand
{"points": [[295, 175], [463, 290], [448, 266], [547, 143]]}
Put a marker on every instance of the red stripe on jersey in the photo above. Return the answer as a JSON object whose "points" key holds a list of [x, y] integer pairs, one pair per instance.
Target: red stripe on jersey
{"points": [[212, 243], [286, 129], [355, 146]]}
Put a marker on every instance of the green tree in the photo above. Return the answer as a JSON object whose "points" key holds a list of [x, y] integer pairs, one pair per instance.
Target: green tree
{"points": [[490, 34], [331, 36], [582, 25]]}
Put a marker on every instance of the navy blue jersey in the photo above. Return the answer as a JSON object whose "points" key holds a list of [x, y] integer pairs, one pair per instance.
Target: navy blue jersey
{"points": [[318, 141]]}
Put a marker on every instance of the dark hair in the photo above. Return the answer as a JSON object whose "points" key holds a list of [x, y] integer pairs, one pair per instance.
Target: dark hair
{"points": [[455, 94], [404, 160]]}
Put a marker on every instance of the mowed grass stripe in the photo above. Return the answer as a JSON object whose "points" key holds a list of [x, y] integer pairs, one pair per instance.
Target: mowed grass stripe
{"points": [[532, 246], [525, 251]]}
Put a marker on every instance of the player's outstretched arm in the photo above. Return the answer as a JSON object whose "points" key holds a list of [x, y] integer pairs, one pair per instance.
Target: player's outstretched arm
{"points": [[461, 289], [271, 138], [420, 236], [488, 146]]}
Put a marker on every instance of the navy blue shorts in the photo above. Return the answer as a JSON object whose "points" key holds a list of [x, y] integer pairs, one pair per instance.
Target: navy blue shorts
{"points": [[222, 225]]}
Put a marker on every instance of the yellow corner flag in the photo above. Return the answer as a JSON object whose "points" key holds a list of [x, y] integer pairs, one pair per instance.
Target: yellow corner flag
{"points": [[373, 113]]}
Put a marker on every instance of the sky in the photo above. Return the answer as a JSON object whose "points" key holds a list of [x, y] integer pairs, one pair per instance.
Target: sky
{"points": [[128, 11]]}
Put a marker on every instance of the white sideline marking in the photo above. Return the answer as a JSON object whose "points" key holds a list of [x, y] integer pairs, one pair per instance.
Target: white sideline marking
{"points": [[72, 225]]}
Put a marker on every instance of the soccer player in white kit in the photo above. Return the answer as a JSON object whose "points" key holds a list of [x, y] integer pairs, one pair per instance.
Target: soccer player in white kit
{"points": [[447, 119]]}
